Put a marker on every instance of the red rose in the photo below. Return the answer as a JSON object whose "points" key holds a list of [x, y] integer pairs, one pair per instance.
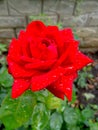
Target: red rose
{"points": [[45, 57]]}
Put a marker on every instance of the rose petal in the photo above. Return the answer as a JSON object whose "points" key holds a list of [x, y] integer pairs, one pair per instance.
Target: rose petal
{"points": [[65, 57], [18, 71], [35, 50], [42, 81], [81, 61], [40, 64], [54, 91], [64, 85], [14, 52], [19, 87], [35, 28], [53, 33], [52, 52], [24, 42], [67, 35]]}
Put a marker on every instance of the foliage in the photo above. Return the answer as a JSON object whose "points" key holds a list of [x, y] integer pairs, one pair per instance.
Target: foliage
{"points": [[83, 76]]}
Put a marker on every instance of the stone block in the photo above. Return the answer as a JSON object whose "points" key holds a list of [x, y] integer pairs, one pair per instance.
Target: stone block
{"points": [[90, 42], [6, 33], [3, 7], [87, 6], [86, 32], [93, 19], [24, 7], [74, 21], [63, 7], [12, 21]]}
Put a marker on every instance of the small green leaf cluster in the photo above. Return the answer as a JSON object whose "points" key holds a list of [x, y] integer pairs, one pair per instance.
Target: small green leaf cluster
{"points": [[83, 75]]}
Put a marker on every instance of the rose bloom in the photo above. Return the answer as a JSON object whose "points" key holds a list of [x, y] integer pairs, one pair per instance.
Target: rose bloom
{"points": [[44, 57]]}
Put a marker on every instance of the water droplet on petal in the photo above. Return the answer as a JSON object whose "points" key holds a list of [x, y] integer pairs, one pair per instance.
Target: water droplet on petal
{"points": [[54, 76]]}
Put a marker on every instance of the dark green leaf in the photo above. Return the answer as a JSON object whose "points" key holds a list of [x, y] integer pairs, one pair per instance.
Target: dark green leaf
{"points": [[40, 117], [71, 116], [5, 78], [56, 121]]}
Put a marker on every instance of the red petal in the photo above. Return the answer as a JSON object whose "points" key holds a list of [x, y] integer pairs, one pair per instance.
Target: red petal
{"points": [[18, 71], [42, 81], [52, 32], [81, 60], [19, 87], [40, 64], [35, 51], [52, 52], [54, 91], [24, 42], [14, 51], [67, 82], [35, 28], [64, 85], [67, 56], [67, 34]]}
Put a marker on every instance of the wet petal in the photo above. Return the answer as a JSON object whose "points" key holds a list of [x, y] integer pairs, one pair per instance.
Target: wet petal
{"points": [[18, 71], [19, 87], [42, 65], [81, 60], [35, 28], [67, 35], [24, 42], [14, 51], [64, 85], [67, 56], [42, 81], [54, 91]]}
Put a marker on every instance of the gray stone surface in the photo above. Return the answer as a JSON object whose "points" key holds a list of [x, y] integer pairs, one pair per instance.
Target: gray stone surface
{"points": [[86, 32], [3, 7], [20, 7], [88, 6], [89, 42], [6, 33], [93, 19], [74, 21], [63, 7], [12, 21]]}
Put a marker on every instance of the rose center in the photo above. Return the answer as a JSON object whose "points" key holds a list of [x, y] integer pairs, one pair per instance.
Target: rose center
{"points": [[46, 42]]}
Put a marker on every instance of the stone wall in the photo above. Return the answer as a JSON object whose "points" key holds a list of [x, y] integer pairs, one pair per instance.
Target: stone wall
{"points": [[81, 16]]}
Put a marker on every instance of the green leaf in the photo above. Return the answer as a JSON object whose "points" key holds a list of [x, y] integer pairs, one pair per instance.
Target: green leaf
{"points": [[3, 48], [71, 116], [56, 121], [53, 102], [40, 117], [5, 78], [93, 125], [87, 114], [70, 127], [15, 112]]}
